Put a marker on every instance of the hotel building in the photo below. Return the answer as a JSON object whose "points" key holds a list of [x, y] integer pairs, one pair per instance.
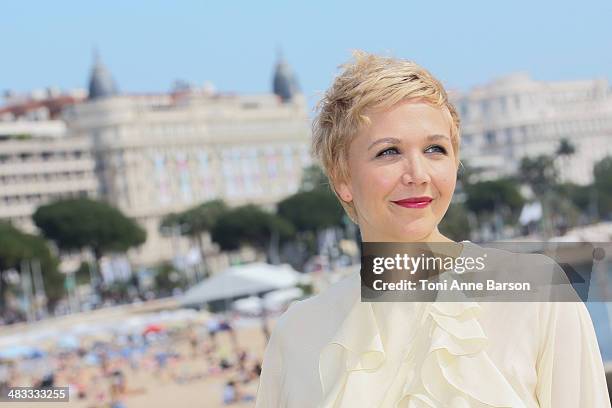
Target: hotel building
{"points": [[517, 116], [162, 153]]}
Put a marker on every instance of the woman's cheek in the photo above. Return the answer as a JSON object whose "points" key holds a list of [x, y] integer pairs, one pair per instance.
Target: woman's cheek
{"points": [[375, 184], [449, 186], [387, 179], [447, 180]]}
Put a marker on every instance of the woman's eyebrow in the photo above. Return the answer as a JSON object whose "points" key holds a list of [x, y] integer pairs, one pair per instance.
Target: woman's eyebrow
{"points": [[393, 140], [432, 138]]}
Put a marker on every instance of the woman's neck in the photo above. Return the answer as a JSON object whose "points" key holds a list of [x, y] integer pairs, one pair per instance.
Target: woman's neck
{"points": [[433, 236]]}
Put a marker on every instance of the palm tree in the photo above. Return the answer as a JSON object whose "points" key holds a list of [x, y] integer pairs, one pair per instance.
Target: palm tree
{"points": [[196, 221], [565, 150], [540, 174]]}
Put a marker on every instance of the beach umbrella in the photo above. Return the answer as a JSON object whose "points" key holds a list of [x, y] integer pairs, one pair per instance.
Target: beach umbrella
{"points": [[92, 359], [19, 351], [152, 328], [97, 337], [282, 297], [249, 306], [240, 281], [69, 342]]}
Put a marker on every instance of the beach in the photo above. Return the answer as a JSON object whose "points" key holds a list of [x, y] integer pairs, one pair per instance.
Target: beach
{"points": [[181, 366]]}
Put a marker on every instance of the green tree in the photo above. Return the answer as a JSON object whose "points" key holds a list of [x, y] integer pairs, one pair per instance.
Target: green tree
{"points": [[75, 224], [566, 148], [491, 195], [312, 210], [495, 202], [602, 183], [565, 151], [455, 223], [196, 221], [467, 174], [539, 173], [16, 247], [83, 273], [167, 279], [251, 225], [577, 194], [313, 178]]}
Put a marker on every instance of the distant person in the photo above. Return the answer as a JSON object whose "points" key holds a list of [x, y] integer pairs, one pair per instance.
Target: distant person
{"points": [[118, 381], [213, 326], [194, 342], [226, 326], [229, 393], [48, 381], [242, 359], [257, 369], [224, 364]]}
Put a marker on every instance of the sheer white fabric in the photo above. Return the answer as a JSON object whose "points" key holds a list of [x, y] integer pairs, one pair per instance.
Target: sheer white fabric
{"points": [[333, 350]]}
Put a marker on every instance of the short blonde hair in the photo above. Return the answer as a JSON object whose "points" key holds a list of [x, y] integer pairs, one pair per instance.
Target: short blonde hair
{"points": [[366, 83]]}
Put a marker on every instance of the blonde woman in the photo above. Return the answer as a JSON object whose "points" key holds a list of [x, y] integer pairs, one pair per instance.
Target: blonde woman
{"points": [[388, 139]]}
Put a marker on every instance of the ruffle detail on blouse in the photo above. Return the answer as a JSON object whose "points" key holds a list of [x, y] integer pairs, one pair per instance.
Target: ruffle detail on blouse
{"points": [[456, 371], [356, 345]]}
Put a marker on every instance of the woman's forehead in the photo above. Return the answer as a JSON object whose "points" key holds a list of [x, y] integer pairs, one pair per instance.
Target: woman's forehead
{"points": [[407, 120]]}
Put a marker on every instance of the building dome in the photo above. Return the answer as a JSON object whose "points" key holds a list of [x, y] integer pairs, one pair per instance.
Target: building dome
{"points": [[285, 84], [101, 83]]}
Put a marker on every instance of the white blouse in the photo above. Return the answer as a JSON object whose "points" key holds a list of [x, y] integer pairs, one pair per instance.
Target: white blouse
{"points": [[332, 350]]}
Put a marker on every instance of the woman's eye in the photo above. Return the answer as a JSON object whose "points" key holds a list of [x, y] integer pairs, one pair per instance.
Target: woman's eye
{"points": [[435, 149], [388, 152]]}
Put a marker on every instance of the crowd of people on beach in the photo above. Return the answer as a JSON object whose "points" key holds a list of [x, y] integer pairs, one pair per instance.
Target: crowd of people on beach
{"points": [[106, 373]]}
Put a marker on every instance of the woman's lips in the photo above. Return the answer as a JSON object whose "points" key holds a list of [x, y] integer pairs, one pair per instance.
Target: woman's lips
{"points": [[414, 202]]}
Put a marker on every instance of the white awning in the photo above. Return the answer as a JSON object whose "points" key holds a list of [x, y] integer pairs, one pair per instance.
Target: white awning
{"points": [[242, 280]]}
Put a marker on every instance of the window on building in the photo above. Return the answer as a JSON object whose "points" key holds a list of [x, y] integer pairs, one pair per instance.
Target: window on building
{"points": [[250, 105], [484, 107], [509, 136]]}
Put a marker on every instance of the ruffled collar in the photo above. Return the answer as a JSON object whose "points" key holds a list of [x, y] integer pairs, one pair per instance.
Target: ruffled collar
{"points": [[455, 372], [356, 345]]}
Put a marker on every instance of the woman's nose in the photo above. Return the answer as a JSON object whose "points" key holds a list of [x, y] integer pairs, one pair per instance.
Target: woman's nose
{"points": [[415, 171]]}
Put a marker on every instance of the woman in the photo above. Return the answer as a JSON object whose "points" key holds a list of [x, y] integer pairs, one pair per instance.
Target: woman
{"points": [[388, 139]]}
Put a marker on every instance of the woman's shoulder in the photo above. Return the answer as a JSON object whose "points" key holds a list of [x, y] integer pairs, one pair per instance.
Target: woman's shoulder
{"points": [[508, 254], [515, 253], [325, 308], [517, 262], [340, 293]]}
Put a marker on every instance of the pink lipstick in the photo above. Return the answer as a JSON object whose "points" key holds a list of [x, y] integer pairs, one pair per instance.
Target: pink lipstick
{"points": [[414, 202]]}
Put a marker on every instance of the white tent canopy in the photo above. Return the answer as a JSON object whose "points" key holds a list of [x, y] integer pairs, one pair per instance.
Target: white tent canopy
{"points": [[242, 280], [273, 301]]}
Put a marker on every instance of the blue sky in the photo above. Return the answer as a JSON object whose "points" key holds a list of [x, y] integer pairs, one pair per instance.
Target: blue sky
{"points": [[149, 44]]}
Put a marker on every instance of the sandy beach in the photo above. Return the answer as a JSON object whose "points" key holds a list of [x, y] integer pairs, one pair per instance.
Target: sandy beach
{"points": [[187, 381]]}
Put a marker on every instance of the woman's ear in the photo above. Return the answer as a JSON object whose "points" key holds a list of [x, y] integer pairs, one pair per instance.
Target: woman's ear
{"points": [[344, 192]]}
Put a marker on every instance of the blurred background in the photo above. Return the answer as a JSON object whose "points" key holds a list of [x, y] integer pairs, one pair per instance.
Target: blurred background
{"points": [[159, 205]]}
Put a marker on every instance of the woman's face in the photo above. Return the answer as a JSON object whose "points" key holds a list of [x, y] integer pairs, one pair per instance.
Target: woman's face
{"points": [[403, 172]]}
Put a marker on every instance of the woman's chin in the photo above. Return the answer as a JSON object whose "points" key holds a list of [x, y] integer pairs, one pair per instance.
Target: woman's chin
{"points": [[394, 230]]}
